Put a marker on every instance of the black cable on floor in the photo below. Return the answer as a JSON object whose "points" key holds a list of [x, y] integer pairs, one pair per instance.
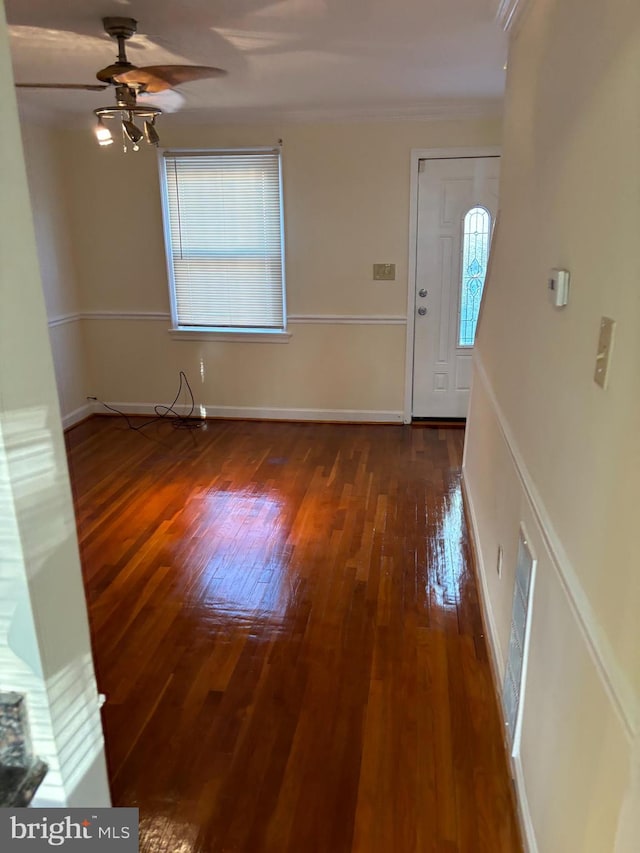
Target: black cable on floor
{"points": [[163, 413]]}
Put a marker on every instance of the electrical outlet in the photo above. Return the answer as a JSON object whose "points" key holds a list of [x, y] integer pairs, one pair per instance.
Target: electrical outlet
{"points": [[384, 272], [499, 561]]}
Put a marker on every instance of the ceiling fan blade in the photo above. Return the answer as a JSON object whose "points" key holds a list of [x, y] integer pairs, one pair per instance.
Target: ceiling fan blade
{"points": [[169, 101], [157, 78], [89, 87]]}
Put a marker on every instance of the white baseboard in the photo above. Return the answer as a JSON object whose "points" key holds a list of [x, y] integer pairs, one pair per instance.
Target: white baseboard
{"points": [[77, 415], [524, 812], [485, 600], [266, 414], [497, 665]]}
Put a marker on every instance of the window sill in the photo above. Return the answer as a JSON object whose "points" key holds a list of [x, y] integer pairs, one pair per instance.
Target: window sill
{"points": [[252, 336]]}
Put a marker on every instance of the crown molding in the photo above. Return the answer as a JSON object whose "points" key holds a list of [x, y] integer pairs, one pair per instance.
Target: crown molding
{"points": [[509, 13], [440, 110], [437, 109], [449, 109]]}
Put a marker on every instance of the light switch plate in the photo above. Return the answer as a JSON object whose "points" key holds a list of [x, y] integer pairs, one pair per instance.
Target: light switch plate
{"points": [[384, 272], [605, 345]]}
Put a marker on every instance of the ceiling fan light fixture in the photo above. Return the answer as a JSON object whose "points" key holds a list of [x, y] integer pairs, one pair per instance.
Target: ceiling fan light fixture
{"points": [[125, 115], [150, 132], [103, 134], [131, 81]]}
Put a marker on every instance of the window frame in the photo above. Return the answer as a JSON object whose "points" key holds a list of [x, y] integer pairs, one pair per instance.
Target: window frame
{"points": [[223, 333]]}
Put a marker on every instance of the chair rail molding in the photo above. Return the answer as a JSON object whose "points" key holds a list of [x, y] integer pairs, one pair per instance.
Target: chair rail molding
{"points": [[310, 319], [349, 319], [63, 319], [613, 678]]}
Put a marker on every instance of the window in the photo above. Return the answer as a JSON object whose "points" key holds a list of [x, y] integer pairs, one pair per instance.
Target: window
{"points": [[475, 253], [225, 248]]}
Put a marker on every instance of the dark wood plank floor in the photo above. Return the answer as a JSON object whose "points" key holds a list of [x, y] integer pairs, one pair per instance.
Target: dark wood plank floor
{"points": [[286, 626]]}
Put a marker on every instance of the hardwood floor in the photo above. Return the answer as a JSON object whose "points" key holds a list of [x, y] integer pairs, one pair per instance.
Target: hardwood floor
{"points": [[286, 626]]}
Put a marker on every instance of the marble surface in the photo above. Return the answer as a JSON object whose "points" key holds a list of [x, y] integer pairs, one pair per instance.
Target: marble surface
{"points": [[19, 784], [15, 742], [20, 772]]}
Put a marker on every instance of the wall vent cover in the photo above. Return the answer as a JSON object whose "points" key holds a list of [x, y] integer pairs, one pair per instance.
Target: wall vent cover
{"points": [[513, 677]]}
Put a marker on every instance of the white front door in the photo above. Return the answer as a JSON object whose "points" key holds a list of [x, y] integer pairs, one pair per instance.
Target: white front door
{"points": [[457, 205]]}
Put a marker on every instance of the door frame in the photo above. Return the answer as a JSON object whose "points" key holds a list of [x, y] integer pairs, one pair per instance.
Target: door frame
{"points": [[418, 154]]}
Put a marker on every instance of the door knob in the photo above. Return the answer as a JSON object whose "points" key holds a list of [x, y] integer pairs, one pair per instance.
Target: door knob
{"points": [[422, 292], [422, 310]]}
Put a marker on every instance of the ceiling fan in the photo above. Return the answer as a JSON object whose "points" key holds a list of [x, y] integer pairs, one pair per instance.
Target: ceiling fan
{"points": [[131, 81]]}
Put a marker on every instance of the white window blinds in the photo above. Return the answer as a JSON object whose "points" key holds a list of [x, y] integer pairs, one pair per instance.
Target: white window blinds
{"points": [[223, 225]]}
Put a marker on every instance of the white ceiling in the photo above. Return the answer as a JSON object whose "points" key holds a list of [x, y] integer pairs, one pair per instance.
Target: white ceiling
{"points": [[303, 58]]}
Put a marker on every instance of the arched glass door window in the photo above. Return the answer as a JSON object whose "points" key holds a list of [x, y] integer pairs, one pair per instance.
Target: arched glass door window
{"points": [[475, 254]]}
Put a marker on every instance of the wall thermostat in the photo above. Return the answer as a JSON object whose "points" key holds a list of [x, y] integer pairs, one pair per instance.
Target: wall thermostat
{"points": [[559, 287]]}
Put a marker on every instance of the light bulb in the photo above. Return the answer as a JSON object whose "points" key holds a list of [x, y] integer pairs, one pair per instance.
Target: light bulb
{"points": [[103, 134]]}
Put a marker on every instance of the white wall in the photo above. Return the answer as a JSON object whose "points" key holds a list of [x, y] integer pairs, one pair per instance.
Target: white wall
{"points": [[346, 191], [547, 447], [54, 243], [45, 650]]}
